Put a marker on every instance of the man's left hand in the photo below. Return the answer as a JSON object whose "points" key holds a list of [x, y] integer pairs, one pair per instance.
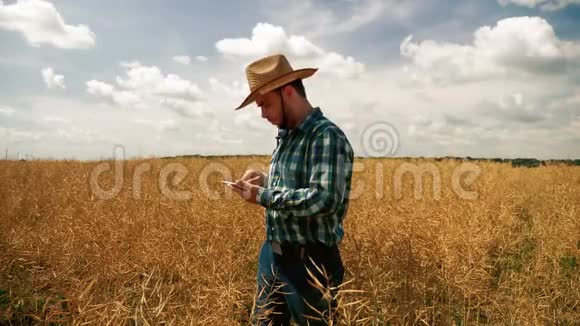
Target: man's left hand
{"points": [[247, 190]]}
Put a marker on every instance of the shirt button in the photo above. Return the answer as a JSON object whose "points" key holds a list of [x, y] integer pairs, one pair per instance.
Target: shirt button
{"points": [[272, 228]]}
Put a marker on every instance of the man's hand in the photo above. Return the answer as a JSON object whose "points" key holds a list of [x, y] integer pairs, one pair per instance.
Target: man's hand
{"points": [[256, 176], [248, 190]]}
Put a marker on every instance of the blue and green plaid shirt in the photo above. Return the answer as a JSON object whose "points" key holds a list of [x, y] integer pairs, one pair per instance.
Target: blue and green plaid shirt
{"points": [[308, 185]]}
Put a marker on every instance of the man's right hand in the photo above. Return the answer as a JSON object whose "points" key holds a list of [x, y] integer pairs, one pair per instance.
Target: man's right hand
{"points": [[254, 177]]}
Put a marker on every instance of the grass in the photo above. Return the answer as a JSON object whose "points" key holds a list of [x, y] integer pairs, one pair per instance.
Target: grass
{"points": [[508, 257]]}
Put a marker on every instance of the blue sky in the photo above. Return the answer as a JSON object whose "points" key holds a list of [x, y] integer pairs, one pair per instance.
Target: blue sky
{"points": [[496, 78]]}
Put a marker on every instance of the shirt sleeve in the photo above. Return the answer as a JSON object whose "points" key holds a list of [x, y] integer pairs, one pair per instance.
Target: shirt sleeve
{"points": [[265, 183], [327, 185]]}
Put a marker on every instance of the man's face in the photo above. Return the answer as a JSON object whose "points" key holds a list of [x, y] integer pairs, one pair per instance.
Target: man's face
{"points": [[270, 104]]}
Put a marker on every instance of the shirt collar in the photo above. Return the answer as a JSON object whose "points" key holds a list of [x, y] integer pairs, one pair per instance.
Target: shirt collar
{"points": [[312, 117], [305, 125]]}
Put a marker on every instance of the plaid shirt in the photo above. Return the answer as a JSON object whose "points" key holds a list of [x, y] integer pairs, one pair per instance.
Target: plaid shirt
{"points": [[308, 185]]}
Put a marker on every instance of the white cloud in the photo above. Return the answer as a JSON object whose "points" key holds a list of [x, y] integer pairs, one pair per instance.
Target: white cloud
{"points": [[187, 108], [426, 128], [99, 88], [250, 121], [14, 135], [55, 119], [236, 90], [150, 80], [120, 97], [6, 110], [201, 58], [439, 131], [147, 87], [186, 60], [219, 138], [162, 126], [77, 135], [340, 66], [51, 79], [270, 39], [182, 59], [448, 120], [266, 38], [324, 19], [514, 45], [513, 108], [40, 23], [546, 5]]}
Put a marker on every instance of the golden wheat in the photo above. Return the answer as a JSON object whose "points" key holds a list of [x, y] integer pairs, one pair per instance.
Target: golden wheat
{"points": [[510, 256]]}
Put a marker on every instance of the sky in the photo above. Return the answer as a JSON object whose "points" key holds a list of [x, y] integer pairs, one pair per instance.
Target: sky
{"points": [[493, 78]]}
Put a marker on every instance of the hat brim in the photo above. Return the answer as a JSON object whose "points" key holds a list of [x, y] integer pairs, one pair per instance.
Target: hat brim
{"points": [[278, 82]]}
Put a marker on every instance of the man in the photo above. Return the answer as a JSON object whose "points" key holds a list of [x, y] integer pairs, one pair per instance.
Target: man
{"points": [[305, 195]]}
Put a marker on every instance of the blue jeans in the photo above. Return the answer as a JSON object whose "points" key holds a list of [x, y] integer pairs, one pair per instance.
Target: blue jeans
{"points": [[283, 286]]}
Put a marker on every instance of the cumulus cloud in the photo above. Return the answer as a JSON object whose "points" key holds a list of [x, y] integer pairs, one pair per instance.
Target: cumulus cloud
{"points": [[201, 58], [150, 80], [512, 108], [189, 109], [148, 87], [236, 90], [559, 111], [122, 98], [546, 5], [498, 120], [512, 111], [182, 59], [40, 23], [442, 132], [99, 88], [270, 39], [514, 45], [51, 79]]}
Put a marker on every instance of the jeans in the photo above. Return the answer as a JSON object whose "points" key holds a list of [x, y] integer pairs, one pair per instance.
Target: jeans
{"points": [[283, 286]]}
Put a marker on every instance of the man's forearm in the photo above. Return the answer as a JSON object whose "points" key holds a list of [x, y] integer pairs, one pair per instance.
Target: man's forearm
{"points": [[300, 202]]}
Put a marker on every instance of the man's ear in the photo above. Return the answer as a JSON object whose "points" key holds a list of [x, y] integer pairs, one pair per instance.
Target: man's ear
{"points": [[287, 90]]}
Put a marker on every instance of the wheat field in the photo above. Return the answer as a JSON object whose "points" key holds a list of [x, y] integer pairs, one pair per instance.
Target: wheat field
{"points": [[509, 256]]}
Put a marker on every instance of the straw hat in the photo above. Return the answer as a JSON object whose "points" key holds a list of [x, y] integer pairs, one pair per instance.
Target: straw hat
{"points": [[269, 73]]}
